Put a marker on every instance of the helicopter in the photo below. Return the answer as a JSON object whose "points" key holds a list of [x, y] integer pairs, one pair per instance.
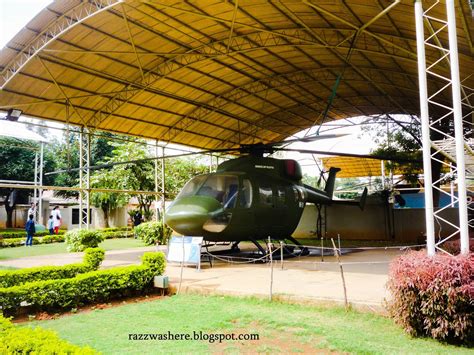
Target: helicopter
{"points": [[249, 198]]}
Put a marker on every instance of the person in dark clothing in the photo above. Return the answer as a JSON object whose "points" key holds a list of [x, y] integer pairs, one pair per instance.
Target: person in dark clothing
{"points": [[137, 219], [30, 230]]}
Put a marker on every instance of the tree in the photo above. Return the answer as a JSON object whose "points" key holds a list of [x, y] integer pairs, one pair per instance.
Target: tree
{"points": [[18, 163], [106, 201], [178, 171], [67, 157]]}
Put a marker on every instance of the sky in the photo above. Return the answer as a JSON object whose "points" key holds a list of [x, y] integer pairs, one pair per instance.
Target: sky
{"points": [[15, 14]]}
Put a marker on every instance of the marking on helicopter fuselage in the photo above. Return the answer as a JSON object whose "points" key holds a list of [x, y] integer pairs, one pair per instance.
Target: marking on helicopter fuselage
{"points": [[264, 167]]}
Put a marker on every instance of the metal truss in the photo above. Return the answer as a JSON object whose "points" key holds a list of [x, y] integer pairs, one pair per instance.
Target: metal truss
{"points": [[38, 183], [159, 182], [261, 38], [448, 125], [84, 178], [76, 15]]}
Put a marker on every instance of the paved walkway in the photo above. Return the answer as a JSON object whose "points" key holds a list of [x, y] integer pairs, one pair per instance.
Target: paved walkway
{"points": [[306, 279]]}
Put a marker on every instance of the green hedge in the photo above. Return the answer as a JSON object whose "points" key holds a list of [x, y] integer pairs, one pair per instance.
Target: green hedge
{"points": [[95, 286], [16, 242], [92, 260], [35, 341], [47, 239], [22, 234]]}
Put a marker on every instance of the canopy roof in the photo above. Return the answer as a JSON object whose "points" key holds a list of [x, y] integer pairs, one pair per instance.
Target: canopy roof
{"points": [[214, 74]]}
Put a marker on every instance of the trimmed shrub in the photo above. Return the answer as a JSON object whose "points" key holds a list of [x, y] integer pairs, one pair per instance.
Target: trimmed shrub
{"points": [[155, 261], [93, 257], [35, 341], [92, 261], [80, 239], [434, 296], [153, 233], [95, 286]]}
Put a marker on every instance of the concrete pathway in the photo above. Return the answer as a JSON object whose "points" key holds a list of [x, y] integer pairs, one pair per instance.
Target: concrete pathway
{"points": [[305, 279]]}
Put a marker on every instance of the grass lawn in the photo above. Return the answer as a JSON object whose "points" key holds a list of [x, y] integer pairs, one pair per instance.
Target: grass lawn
{"points": [[58, 248], [281, 328]]}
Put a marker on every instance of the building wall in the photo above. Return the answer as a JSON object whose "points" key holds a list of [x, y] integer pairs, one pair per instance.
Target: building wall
{"points": [[377, 222]]}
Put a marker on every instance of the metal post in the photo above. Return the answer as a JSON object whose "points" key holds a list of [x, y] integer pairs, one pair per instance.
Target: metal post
{"points": [[163, 177], [88, 180], [281, 253], [84, 178], [451, 184], [81, 180], [458, 127], [40, 195], [35, 192], [425, 128], [157, 199]]}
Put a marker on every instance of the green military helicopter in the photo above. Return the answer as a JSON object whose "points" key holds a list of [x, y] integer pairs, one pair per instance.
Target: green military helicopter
{"points": [[249, 198]]}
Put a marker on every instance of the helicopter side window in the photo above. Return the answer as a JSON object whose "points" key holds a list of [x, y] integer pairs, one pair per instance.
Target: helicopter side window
{"points": [[266, 195], [246, 194]]}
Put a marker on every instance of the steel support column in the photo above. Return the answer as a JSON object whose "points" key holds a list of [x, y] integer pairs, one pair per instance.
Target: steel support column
{"points": [[425, 128], [159, 182], [458, 126], [449, 147], [84, 178], [40, 189]]}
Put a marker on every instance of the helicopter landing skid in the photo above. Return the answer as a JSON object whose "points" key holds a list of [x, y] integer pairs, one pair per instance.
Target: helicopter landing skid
{"points": [[303, 250], [259, 247]]}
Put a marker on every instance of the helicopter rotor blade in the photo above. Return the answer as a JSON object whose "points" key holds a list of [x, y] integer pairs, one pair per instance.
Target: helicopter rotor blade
{"points": [[112, 164], [350, 155], [309, 139]]}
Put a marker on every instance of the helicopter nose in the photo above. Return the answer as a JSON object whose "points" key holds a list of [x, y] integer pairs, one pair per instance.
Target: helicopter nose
{"points": [[187, 215]]}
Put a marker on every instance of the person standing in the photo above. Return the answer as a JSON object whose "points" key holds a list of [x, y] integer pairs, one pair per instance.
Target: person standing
{"points": [[56, 219], [30, 230], [32, 210], [137, 219], [51, 225]]}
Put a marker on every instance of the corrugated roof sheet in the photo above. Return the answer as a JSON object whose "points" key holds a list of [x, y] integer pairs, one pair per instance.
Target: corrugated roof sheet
{"points": [[215, 74]]}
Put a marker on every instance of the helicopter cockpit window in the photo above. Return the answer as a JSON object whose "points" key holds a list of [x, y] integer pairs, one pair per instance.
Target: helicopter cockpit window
{"points": [[223, 188], [192, 186], [266, 195], [246, 195]]}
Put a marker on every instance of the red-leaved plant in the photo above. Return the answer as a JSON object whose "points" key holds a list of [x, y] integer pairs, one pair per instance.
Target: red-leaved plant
{"points": [[434, 296]]}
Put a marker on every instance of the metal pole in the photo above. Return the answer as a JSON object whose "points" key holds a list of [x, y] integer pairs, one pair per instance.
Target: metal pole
{"points": [[281, 253], [163, 177], [382, 167], [425, 128], [157, 199], [40, 195], [35, 192], [458, 127], [451, 184], [271, 266], [81, 170], [88, 181]]}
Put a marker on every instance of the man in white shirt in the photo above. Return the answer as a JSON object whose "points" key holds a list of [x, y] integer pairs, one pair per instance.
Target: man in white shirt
{"points": [[32, 210]]}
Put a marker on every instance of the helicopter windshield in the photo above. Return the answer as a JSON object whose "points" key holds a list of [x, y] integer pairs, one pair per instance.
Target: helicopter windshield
{"points": [[223, 188]]}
